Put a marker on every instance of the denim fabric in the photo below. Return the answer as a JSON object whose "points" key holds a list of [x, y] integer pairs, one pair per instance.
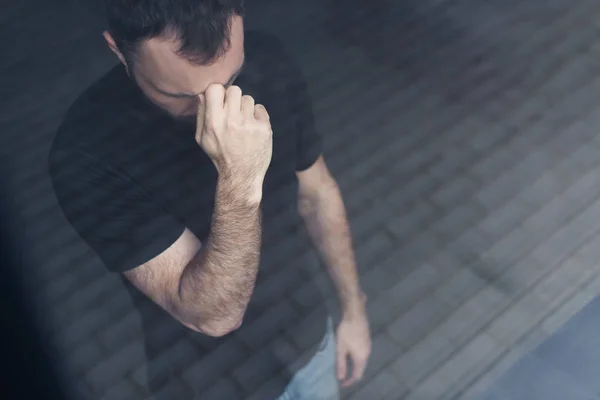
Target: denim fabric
{"points": [[317, 380]]}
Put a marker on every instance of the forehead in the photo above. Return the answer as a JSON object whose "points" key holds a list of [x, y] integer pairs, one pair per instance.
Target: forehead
{"points": [[159, 65]]}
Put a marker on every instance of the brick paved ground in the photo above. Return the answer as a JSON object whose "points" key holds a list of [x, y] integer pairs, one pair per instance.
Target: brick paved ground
{"points": [[464, 135]]}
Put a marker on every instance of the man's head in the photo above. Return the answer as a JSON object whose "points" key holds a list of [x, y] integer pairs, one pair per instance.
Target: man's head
{"points": [[174, 49]]}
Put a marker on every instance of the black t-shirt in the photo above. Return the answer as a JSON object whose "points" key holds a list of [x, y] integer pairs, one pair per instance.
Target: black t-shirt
{"points": [[130, 179]]}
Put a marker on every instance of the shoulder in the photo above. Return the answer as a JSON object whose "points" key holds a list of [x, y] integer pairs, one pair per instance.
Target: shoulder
{"points": [[101, 118], [263, 44], [269, 53]]}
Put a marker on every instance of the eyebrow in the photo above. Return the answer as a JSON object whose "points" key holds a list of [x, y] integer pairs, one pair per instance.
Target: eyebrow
{"points": [[190, 95]]}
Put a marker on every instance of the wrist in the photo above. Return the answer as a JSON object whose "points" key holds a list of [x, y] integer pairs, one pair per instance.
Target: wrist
{"points": [[247, 192], [354, 304]]}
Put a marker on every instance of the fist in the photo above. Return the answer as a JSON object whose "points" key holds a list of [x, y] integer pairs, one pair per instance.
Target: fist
{"points": [[234, 132]]}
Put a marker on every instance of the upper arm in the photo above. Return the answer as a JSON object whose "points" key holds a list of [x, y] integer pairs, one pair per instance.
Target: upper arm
{"points": [[125, 227], [309, 141], [286, 76]]}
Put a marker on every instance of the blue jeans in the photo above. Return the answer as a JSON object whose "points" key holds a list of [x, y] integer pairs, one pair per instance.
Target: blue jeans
{"points": [[317, 380]]}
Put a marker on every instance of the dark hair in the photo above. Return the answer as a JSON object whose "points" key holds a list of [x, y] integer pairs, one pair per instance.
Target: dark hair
{"points": [[201, 26]]}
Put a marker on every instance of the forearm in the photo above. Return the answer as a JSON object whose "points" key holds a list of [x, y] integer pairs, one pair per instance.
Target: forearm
{"points": [[327, 225], [216, 286]]}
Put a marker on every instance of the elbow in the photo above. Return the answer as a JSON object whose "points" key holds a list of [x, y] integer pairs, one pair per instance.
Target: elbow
{"points": [[220, 329], [311, 202], [211, 321], [307, 207], [216, 328]]}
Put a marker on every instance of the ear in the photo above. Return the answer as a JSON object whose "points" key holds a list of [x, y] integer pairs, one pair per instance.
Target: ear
{"points": [[113, 47]]}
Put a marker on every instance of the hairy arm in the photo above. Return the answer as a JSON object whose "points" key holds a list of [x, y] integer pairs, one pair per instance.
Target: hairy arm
{"points": [[322, 209], [207, 287]]}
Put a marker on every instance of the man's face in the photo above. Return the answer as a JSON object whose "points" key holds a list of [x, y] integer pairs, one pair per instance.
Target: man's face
{"points": [[174, 84]]}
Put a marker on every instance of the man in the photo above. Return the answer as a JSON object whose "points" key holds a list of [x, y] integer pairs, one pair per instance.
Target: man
{"points": [[183, 183]]}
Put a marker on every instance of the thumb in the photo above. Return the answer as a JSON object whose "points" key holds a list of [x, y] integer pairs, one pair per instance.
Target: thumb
{"points": [[200, 117], [341, 361]]}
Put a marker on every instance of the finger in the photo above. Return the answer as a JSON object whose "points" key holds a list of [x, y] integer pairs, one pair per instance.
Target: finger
{"points": [[358, 370], [346, 383], [201, 114], [201, 103], [342, 361], [359, 367], [233, 100], [248, 106], [260, 113], [214, 97], [349, 381]]}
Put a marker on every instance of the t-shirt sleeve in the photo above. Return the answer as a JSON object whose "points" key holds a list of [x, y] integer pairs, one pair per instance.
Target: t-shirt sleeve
{"points": [[309, 140], [109, 211]]}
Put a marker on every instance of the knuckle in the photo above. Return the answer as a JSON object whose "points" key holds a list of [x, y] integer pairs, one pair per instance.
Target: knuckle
{"points": [[248, 99], [214, 88], [234, 90], [264, 125], [261, 108]]}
